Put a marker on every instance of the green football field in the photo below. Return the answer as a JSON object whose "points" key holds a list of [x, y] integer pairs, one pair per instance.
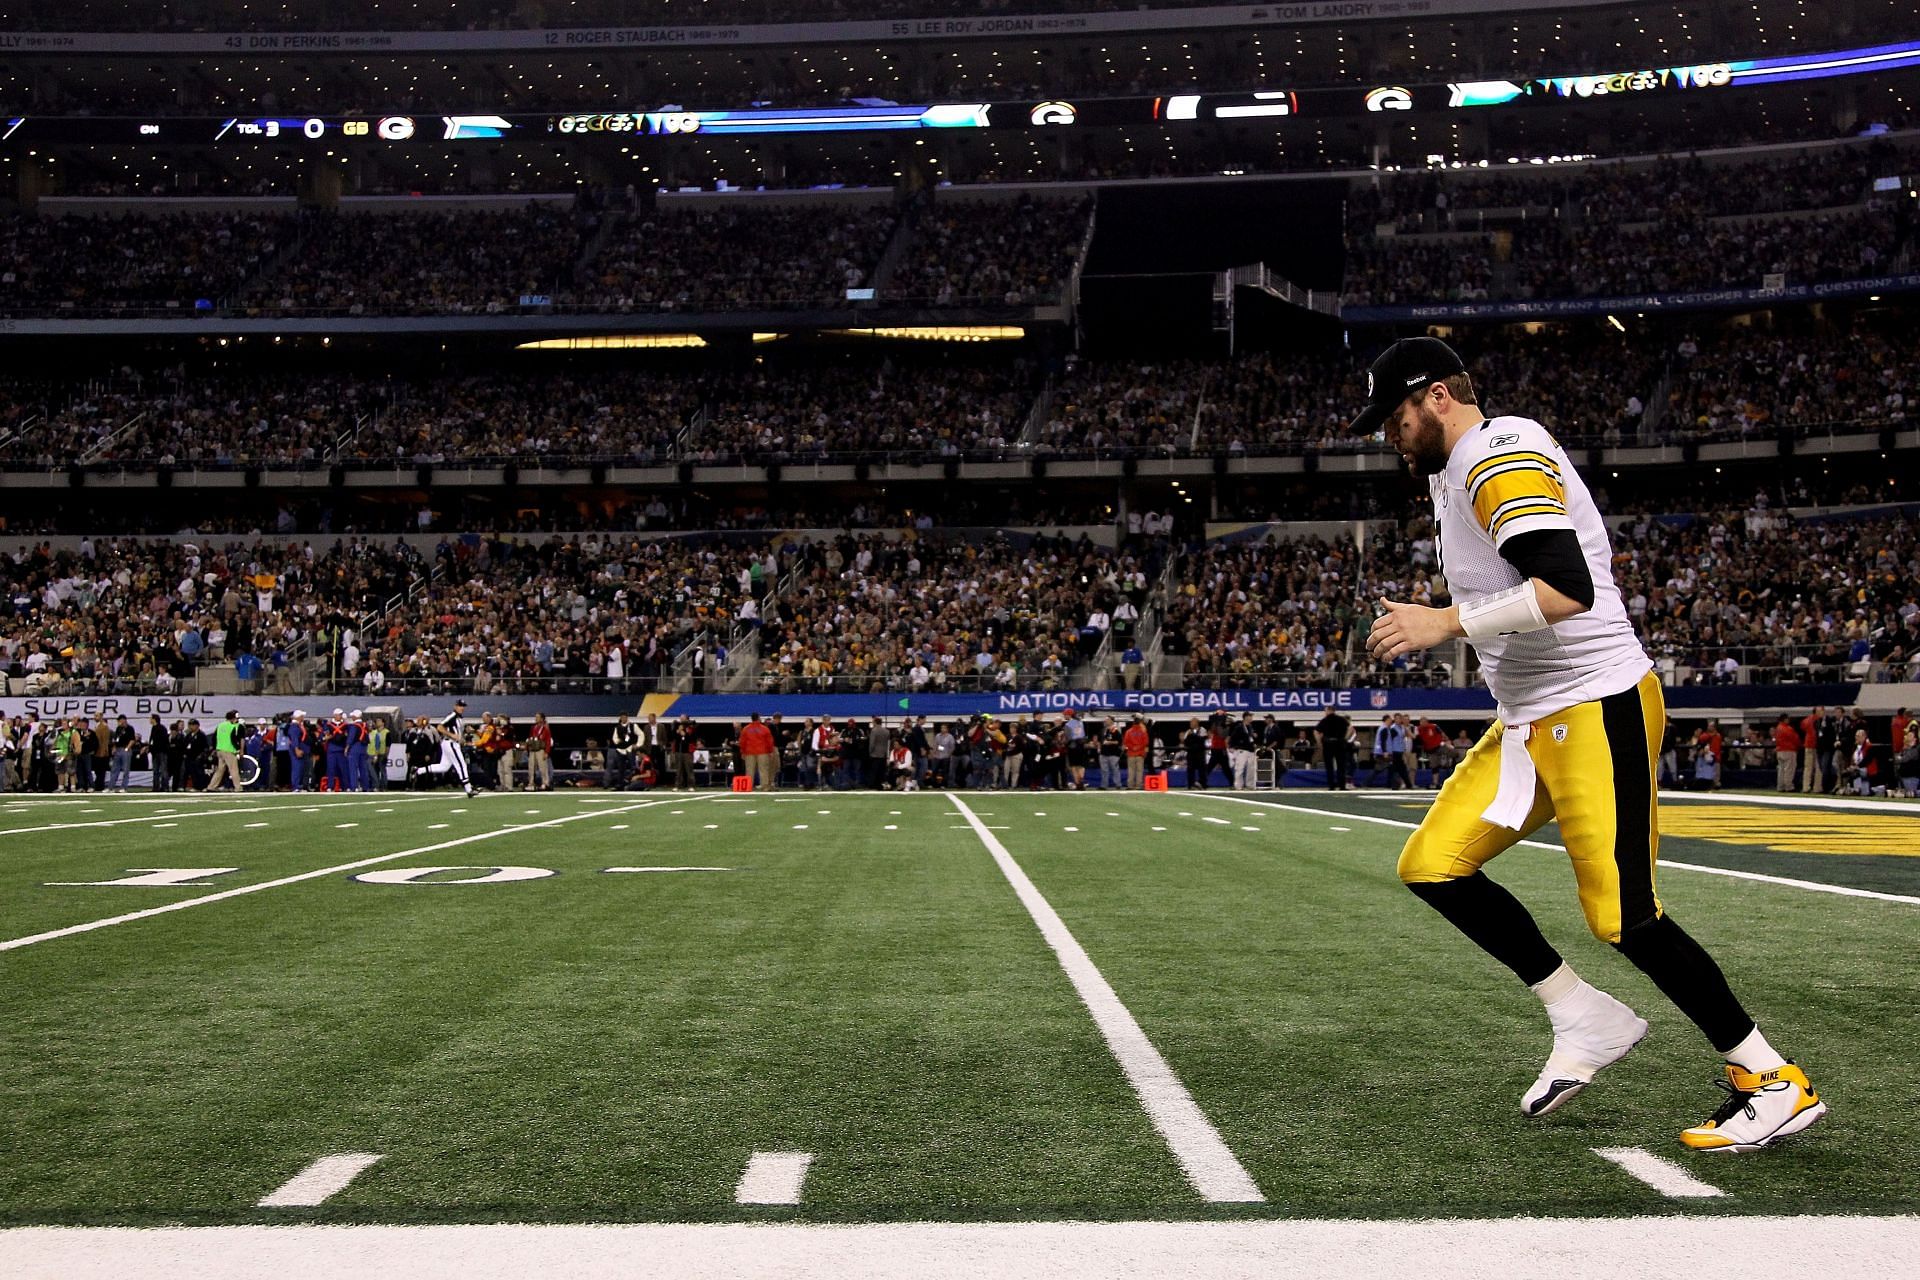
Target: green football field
{"points": [[900, 999]]}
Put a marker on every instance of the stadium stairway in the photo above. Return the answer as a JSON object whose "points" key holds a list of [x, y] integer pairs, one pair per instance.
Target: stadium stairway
{"points": [[898, 242]]}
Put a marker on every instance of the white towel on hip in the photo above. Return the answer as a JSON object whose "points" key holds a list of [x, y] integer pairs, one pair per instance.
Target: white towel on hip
{"points": [[1518, 780]]}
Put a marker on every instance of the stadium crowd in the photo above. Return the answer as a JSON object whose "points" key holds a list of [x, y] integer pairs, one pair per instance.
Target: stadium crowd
{"points": [[74, 264], [428, 263], [633, 415], [1743, 382], [544, 254], [1104, 406], [1682, 252], [1283, 611], [134, 615], [362, 513], [737, 258], [1675, 226], [1591, 385], [1676, 252], [1757, 596], [779, 414], [1737, 596], [504, 614], [1582, 384], [935, 615], [1729, 598], [1013, 253], [1620, 192]]}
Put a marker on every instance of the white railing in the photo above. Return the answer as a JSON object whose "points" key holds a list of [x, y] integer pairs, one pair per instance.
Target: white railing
{"points": [[684, 676], [1037, 416], [1153, 619], [742, 667], [20, 432], [100, 446], [1072, 294], [1097, 671], [1258, 275], [1199, 411], [347, 437], [694, 425]]}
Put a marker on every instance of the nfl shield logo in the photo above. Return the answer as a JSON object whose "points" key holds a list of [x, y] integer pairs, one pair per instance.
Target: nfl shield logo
{"points": [[1559, 733], [1379, 699]]}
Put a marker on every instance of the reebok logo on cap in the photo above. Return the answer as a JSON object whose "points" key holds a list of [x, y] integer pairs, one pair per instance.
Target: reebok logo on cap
{"points": [[1402, 369]]}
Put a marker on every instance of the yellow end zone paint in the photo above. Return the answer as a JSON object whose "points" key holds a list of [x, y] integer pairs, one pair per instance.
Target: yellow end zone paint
{"points": [[1795, 830], [1789, 830]]}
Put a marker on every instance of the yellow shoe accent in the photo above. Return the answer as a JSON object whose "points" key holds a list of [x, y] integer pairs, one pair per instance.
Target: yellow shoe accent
{"points": [[1754, 1081], [1761, 1108]]}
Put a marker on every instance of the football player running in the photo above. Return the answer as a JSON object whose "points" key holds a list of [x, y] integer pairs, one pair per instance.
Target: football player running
{"points": [[1577, 740]]}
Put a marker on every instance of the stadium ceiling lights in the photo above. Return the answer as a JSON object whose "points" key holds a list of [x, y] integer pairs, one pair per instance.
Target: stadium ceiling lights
{"points": [[939, 332], [614, 341]]}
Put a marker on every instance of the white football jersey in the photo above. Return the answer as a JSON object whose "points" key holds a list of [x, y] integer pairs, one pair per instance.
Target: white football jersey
{"points": [[1506, 477]]}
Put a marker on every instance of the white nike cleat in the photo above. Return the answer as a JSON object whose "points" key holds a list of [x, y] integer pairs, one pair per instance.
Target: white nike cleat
{"points": [[1591, 1031], [1762, 1107]]}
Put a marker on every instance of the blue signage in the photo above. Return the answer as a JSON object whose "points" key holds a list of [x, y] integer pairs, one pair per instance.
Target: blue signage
{"points": [[1122, 702]]}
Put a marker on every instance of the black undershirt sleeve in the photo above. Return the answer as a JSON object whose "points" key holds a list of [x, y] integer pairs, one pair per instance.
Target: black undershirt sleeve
{"points": [[1554, 557]]}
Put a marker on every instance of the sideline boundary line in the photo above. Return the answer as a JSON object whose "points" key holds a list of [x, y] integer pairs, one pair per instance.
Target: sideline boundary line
{"points": [[207, 813], [1211, 1167], [1814, 886], [1717, 1247], [183, 904]]}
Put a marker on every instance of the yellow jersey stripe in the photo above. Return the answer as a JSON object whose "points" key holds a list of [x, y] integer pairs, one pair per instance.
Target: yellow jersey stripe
{"points": [[1530, 500], [1512, 485], [1495, 475], [1497, 459], [1499, 480], [1506, 517]]}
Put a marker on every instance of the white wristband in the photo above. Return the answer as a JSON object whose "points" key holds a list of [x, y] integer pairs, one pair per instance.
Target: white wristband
{"points": [[1503, 613]]}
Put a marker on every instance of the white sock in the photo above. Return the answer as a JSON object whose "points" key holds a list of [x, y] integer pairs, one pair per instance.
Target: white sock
{"points": [[1558, 985], [1755, 1054]]}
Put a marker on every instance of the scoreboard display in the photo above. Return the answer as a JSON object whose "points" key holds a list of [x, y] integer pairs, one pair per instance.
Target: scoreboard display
{"points": [[1052, 113]]}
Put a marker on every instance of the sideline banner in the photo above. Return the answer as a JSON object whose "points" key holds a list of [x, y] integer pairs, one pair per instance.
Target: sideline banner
{"points": [[1099, 702], [1362, 703]]}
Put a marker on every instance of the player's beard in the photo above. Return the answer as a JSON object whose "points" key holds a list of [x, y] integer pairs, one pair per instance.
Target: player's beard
{"points": [[1425, 442]]}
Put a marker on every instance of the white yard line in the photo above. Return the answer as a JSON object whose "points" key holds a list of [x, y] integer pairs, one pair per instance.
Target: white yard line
{"points": [[1664, 1176], [773, 1177], [1666, 864], [1647, 1248], [205, 813], [1210, 1166], [182, 905], [319, 1181]]}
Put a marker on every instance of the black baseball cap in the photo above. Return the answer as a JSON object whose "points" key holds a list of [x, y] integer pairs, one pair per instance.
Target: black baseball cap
{"points": [[1408, 366]]}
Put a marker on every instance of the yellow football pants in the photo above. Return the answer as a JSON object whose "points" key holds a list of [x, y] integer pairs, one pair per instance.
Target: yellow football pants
{"points": [[1597, 768]]}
